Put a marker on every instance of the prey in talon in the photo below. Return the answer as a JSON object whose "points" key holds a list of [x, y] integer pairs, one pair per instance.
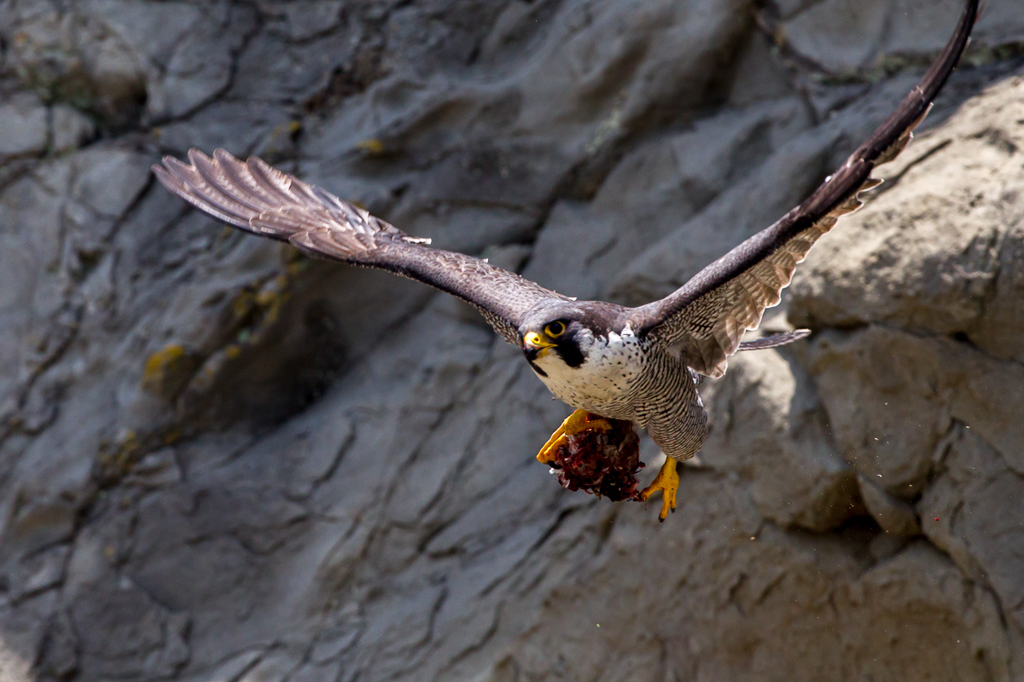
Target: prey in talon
{"points": [[576, 423], [596, 455], [602, 457], [620, 367]]}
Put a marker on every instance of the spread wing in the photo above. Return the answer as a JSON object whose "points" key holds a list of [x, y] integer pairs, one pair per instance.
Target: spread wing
{"points": [[262, 200], [708, 315]]}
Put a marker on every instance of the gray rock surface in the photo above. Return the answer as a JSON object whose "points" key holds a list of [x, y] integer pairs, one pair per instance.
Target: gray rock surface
{"points": [[221, 461], [24, 131]]}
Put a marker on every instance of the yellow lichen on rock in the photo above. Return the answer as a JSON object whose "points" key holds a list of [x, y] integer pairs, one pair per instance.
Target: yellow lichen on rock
{"points": [[371, 146], [117, 457], [168, 370]]}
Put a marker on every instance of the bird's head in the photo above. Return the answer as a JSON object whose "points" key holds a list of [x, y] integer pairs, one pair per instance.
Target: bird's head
{"points": [[556, 336]]}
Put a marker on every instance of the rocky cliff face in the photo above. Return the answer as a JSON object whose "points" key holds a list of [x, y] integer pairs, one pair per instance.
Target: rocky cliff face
{"points": [[220, 461]]}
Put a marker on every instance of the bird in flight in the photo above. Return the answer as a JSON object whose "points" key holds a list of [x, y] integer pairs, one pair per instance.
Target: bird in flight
{"points": [[608, 361]]}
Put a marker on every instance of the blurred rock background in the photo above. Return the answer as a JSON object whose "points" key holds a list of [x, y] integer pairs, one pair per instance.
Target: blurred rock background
{"points": [[221, 461]]}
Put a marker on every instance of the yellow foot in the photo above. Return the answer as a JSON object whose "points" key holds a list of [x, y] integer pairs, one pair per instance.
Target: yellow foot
{"points": [[667, 480], [577, 422]]}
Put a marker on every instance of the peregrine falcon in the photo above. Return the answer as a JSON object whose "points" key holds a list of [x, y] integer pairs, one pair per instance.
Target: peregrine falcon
{"points": [[639, 364]]}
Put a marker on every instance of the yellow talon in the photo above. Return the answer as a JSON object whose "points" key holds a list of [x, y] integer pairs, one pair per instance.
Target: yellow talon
{"points": [[667, 480], [577, 422]]}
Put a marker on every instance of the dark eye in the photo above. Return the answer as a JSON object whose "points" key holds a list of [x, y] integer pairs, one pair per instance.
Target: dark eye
{"points": [[554, 329]]}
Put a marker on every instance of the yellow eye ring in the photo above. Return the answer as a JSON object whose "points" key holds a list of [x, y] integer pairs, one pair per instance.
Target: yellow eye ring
{"points": [[555, 329]]}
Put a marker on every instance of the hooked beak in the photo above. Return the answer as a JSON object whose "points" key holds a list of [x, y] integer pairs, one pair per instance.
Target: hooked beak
{"points": [[536, 346]]}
